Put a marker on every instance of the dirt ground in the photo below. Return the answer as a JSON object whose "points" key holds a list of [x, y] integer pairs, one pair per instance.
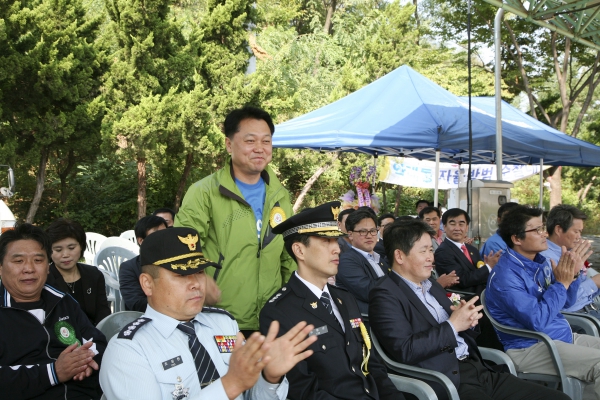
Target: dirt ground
{"points": [[595, 257]]}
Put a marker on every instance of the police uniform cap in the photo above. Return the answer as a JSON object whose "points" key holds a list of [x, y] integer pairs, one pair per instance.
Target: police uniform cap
{"points": [[318, 221], [175, 249]]}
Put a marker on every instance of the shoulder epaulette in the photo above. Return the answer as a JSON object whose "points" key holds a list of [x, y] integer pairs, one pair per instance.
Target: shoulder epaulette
{"points": [[279, 295], [217, 310], [129, 331]]}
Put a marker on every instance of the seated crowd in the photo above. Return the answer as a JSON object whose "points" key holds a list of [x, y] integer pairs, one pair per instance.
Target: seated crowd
{"points": [[313, 339], [234, 308]]}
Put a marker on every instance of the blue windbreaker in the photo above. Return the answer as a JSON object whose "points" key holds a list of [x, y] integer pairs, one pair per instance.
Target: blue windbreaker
{"points": [[524, 294]]}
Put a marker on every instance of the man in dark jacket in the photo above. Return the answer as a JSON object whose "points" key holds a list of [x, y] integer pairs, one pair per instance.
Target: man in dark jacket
{"points": [[361, 266], [130, 270], [343, 366], [418, 325], [49, 349]]}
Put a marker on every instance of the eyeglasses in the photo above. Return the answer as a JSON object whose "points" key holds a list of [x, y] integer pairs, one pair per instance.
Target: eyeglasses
{"points": [[364, 232], [540, 230]]}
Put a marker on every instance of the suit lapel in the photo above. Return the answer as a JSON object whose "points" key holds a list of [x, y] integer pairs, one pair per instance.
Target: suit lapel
{"points": [[440, 295], [341, 306], [460, 254], [312, 304], [413, 298], [366, 265]]}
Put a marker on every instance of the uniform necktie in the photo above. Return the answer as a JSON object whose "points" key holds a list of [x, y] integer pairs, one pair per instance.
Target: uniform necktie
{"points": [[205, 368], [326, 300], [466, 253]]}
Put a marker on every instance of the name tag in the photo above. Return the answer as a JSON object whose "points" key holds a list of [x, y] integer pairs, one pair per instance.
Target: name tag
{"points": [[173, 362], [318, 331], [225, 343]]}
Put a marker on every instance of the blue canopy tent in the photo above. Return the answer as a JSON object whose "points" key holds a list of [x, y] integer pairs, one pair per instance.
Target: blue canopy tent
{"points": [[406, 114]]}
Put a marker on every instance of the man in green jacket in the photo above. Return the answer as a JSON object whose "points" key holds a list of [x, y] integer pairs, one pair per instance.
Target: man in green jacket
{"points": [[234, 210]]}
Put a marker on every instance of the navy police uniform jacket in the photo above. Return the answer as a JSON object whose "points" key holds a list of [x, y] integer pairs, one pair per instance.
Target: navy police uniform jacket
{"points": [[29, 348], [334, 370]]}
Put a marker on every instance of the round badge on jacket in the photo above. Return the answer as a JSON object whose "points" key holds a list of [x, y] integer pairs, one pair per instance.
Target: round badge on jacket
{"points": [[277, 216], [65, 333]]}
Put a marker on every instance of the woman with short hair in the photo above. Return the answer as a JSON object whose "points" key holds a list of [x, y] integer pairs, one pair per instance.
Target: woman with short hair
{"points": [[85, 283]]}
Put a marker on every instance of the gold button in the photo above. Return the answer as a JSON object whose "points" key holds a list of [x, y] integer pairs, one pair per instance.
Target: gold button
{"points": [[324, 347]]}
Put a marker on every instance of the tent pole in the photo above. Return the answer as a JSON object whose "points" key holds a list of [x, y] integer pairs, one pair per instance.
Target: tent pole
{"points": [[498, 92], [436, 178], [542, 183]]}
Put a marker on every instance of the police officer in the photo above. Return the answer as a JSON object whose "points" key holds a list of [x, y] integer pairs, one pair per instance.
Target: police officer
{"points": [[343, 364], [180, 350]]}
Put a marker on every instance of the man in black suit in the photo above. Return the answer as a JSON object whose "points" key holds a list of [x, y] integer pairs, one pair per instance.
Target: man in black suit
{"points": [[361, 266], [383, 221], [416, 323], [454, 254], [343, 365]]}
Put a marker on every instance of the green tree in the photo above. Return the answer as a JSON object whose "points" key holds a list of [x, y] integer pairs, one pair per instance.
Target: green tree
{"points": [[49, 82]]}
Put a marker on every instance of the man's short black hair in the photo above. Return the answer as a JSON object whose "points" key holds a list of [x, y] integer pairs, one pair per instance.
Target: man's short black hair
{"points": [[304, 239], [163, 211], [233, 119], [345, 212], [147, 223], [24, 232], [430, 209], [402, 235], [563, 215], [367, 209], [63, 228], [455, 212], [384, 216], [514, 223], [422, 201], [355, 218], [506, 207]]}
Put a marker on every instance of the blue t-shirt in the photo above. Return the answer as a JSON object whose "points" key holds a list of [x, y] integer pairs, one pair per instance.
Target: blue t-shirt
{"points": [[255, 196]]}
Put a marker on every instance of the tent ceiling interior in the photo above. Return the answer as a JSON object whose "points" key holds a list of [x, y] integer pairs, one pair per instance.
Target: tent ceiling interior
{"points": [[575, 19]]}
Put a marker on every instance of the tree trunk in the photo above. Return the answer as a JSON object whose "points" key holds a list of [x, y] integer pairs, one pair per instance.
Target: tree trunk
{"points": [[329, 18], [522, 70], [63, 175], [39, 187], [555, 186], [141, 200], [383, 197], [398, 195], [311, 182], [186, 172], [417, 21], [586, 190]]}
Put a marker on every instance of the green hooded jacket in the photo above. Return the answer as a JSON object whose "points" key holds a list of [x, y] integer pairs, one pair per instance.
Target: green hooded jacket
{"points": [[250, 273]]}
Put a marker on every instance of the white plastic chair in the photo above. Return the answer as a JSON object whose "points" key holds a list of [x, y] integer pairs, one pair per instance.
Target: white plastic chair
{"points": [[114, 241], [111, 258], [93, 242], [129, 235], [113, 292]]}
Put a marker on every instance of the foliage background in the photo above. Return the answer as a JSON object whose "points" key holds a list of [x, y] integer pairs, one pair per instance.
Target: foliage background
{"points": [[112, 108]]}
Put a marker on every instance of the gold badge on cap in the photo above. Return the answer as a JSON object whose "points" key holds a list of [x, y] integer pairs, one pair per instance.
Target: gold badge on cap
{"points": [[277, 216], [189, 240], [335, 211]]}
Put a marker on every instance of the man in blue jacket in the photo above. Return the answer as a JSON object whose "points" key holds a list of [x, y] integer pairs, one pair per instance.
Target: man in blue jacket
{"points": [[527, 291]]}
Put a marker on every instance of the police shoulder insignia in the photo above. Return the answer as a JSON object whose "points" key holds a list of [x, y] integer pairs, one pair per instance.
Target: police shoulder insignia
{"points": [[278, 295], [277, 216], [218, 311], [225, 343], [132, 328]]}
